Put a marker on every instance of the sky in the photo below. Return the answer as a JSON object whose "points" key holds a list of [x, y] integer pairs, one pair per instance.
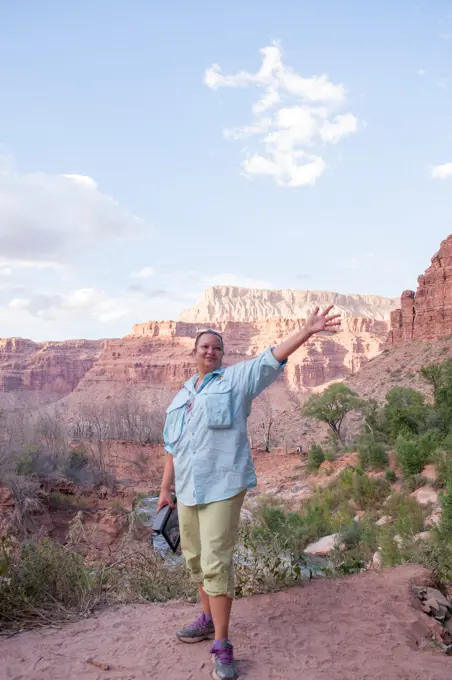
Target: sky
{"points": [[150, 150]]}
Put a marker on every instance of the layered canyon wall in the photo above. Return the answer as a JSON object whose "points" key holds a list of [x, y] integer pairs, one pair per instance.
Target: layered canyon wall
{"points": [[427, 313]]}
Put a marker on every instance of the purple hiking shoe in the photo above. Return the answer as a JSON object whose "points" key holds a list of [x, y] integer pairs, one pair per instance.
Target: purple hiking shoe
{"points": [[199, 630], [223, 661]]}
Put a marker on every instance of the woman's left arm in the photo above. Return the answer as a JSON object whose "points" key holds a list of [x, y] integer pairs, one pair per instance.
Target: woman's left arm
{"points": [[315, 324]]}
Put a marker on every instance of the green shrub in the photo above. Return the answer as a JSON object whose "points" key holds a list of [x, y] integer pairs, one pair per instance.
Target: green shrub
{"points": [[390, 475], [434, 554], [407, 513], [365, 491], [316, 457], [429, 442], [445, 525], [410, 455], [390, 550], [33, 460], [77, 459], [65, 501], [372, 454], [361, 542], [414, 482], [443, 465], [42, 581], [264, 566], [404, 413]]}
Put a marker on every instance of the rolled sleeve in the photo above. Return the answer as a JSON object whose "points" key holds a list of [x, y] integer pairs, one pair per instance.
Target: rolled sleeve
{"points": [[167, 446], [259, 373]]}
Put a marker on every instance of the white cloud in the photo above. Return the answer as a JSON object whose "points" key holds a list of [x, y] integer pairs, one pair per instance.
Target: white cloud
{"points": [[443, 171], [421, 72], [90, 311], [46, 220], [293, 119], [144, 273], [96, 303], [6, 272]]}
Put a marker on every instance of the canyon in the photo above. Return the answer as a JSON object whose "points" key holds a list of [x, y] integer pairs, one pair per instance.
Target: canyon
{"points": [[156, 357], [149, 364]]}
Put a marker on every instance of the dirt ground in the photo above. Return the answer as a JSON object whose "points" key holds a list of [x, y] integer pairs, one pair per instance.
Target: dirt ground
{"points": [[364, 627]]}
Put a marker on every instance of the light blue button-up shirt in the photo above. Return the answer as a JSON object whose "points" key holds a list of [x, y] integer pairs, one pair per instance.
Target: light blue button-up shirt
{"points": [[206, 430]]}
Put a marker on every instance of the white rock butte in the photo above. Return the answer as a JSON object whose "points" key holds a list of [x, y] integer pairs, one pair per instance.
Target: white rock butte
{"points": [[231, 303]]}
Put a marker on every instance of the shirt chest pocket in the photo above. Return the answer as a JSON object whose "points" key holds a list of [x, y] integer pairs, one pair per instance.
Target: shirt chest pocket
{"points": [[218, 408]]}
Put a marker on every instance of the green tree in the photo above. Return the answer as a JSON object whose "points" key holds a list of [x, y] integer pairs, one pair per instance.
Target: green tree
{"points": [[439, 376], [332, 406], [405, 412], [374, 420], [435, 375]]}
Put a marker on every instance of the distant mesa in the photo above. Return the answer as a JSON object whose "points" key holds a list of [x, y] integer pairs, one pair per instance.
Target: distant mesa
{"points": [[231, 303]]}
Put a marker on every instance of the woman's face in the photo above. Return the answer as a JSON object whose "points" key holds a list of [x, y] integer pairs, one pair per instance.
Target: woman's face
{"points": [[208, 353]]}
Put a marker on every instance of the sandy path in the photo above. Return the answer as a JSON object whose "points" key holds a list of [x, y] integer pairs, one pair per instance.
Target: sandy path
{"points": [[360, 628]]}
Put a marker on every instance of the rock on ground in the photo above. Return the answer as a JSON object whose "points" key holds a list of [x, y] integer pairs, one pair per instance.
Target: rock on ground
{"points": [[364, 627], [323, 546], [426, 495]]}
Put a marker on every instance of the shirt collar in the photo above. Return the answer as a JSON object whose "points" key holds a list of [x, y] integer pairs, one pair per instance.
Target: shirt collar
{"points": [[191, 382]]}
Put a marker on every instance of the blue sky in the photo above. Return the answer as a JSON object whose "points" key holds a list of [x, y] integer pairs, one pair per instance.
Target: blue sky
{"points": [[134, 173]]}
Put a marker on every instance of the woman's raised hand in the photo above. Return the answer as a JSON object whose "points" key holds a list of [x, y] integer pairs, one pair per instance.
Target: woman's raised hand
{"points": [[317, 323]]}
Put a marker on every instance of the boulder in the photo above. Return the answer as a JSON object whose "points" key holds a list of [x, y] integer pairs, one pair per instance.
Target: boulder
{"points": [[376, 561], [426, 495], [324, 546], [386, 519]]}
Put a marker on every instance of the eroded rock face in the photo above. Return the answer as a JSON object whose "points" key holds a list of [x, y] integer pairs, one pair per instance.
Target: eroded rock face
{"points": [[158, 355], [427, 313], [45, 367], [232, 303], [323, 359]]}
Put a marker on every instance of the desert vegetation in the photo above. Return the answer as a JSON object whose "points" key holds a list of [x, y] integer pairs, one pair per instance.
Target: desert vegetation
{"points": [[368, 505]]}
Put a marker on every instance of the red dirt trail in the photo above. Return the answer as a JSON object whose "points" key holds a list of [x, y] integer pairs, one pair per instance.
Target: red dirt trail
{"points": [[364, 627]]}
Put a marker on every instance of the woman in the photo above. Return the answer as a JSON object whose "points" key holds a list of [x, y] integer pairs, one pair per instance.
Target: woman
{"points": [[210, 462]]}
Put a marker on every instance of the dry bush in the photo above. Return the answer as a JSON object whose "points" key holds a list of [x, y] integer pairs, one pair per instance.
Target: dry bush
{"points": [[30, 505], [42, 582], [126, 420]]}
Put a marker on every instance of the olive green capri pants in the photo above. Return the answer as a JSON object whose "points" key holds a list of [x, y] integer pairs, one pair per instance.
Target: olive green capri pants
{"points": [[208, 536]]}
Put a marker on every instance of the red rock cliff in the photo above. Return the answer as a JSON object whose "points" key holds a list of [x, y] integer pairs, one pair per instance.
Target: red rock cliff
{"points": [[427, 313]]}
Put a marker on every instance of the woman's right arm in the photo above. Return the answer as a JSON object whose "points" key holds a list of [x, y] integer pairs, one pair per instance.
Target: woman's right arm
{"points": [[166, 495]]}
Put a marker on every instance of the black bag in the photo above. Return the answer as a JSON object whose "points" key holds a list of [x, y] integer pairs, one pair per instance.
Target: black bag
{"points": [[166, 524]]}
